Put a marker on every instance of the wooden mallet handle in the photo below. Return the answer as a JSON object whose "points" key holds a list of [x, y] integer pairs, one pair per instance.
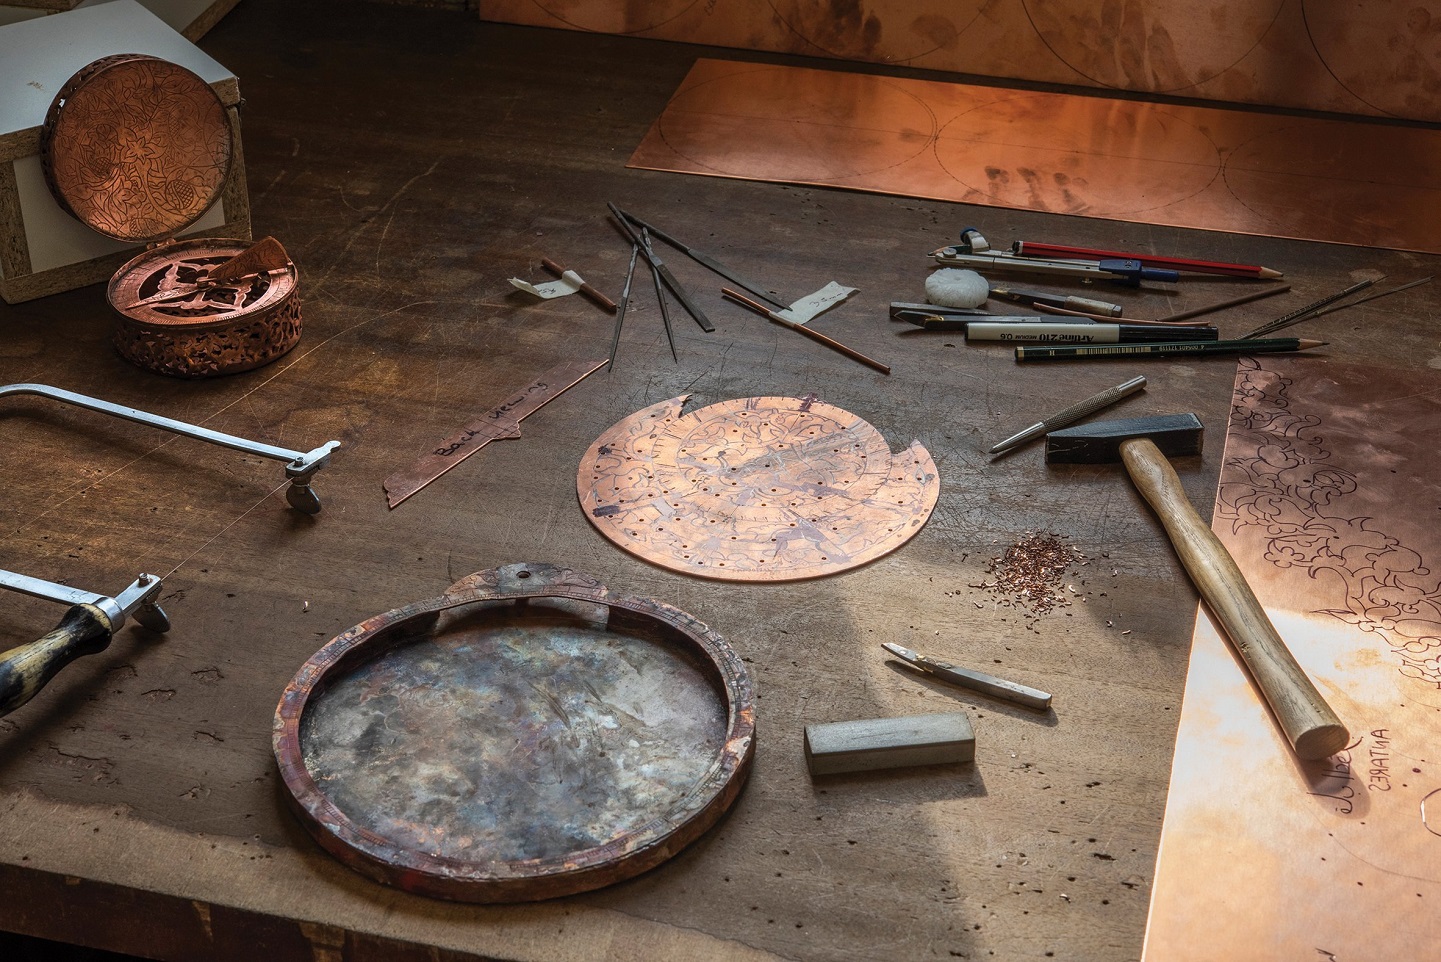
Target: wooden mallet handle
{"points": [[1308, 722]]}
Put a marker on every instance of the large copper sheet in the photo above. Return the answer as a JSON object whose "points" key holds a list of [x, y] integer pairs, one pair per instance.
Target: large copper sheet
{"points": [[1329, 499], [1375, 58], [1251, 173]]}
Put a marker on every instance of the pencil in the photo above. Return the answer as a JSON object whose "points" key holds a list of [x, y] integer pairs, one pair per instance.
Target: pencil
{"points": [[1036, 352], [1033, 249], [832, 343]]}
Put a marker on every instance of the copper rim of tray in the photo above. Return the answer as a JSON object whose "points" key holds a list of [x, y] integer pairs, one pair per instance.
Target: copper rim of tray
{"points": [[516, 880], [136, 147]]}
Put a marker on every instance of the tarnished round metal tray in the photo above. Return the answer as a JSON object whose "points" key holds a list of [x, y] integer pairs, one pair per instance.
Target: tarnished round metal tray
{"points": [[136, 147], [523, 736]]}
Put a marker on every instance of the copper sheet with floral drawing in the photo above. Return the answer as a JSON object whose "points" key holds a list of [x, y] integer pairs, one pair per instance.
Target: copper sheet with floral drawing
{"points": [[755, 489], [1330, 499]]}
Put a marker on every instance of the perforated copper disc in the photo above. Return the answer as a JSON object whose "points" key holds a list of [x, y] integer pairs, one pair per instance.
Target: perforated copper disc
{"points": [[755, 489], [136, 147]]}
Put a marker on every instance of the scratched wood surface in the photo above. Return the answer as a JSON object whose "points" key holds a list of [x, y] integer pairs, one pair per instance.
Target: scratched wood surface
{"points": [[411, 161]]}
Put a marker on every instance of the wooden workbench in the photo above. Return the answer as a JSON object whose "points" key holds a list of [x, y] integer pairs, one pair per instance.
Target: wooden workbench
{"points": [[411, 161]]}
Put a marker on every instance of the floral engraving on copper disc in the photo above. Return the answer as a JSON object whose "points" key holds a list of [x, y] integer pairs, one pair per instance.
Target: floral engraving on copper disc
{"points": [[137, 148]]}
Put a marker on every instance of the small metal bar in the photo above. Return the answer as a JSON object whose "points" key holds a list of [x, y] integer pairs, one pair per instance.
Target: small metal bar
{"points": [[47, 590]]}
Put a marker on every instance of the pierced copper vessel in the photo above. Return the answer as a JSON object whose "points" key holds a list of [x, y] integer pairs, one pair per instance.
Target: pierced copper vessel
{"points": [[138, 149]]}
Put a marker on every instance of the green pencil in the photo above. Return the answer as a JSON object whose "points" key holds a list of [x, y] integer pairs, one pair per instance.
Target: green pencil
{"points": [[1055, 352]]}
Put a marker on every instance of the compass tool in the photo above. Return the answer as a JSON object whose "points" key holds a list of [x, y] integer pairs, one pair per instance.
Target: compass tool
{"points": [[707, 261], [503, 421], [624, 302], [755, 489], [300, 466], [796, 316], [664, 273], [86, 629], [659, 292], [975, 252]]}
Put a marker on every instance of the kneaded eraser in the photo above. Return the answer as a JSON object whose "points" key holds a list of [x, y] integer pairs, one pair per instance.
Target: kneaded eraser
{"points": [[872, 743]]}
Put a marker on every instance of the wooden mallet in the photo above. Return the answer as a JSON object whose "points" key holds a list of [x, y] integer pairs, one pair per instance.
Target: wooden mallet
{"points": [[1143, 445]]}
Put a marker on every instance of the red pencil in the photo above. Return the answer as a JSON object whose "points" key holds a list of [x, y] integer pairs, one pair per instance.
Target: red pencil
{"points": [[1031, 249]]}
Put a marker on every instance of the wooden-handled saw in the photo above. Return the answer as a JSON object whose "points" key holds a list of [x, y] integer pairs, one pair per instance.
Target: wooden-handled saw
{"points": [[86, 629]]}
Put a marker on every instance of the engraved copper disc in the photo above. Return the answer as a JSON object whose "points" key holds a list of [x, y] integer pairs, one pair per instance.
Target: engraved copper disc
{"points": [[136, 147], [755, 489]]}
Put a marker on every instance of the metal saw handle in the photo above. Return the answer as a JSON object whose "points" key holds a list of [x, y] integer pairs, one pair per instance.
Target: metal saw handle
{"points": [[1310, 725], [25, 669]]}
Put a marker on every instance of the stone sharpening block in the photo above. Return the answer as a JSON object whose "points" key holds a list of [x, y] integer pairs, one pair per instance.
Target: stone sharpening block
{"points": [[868, 744]]}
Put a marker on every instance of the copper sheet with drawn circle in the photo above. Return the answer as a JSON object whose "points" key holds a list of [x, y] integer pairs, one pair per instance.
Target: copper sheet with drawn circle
{"points": [[525, 735], [755, 489], [136, 147]]}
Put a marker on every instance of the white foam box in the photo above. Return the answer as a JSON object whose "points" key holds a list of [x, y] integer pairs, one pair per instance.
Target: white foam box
{"points": [[43, 249], [873, 743], [190, 18]]}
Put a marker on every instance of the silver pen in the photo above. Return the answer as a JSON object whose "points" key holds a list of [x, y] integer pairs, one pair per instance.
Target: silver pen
{"points": [[1071, 414]]}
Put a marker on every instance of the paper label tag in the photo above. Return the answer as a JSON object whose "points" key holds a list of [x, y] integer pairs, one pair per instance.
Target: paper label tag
{"points": [[569, 283], [812, 305]]}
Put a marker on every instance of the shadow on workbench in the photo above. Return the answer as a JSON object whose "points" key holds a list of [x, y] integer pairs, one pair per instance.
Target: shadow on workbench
{"points": [[23, 948]]}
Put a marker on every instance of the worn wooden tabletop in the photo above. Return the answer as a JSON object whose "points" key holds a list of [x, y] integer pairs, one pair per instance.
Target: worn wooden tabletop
{"points": [[411, 161]]}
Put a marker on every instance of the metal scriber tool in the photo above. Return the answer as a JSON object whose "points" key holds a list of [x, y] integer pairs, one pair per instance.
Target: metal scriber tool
{"points": [[1084, 305], [300, 466], [974, 680], [86, 629], [624, 302], [664, 272]]}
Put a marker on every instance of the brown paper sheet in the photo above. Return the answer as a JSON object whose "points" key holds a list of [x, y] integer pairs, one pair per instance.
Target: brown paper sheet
{"points": [[1198, 167], [1372, 58], [1330, 499]]}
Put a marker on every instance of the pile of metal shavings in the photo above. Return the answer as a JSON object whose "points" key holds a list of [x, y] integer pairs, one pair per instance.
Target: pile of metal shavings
{"points": [[1031, 574]]}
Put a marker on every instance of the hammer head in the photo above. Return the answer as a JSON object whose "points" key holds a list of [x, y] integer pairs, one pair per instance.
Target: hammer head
{"points": [[1100, 441]]}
